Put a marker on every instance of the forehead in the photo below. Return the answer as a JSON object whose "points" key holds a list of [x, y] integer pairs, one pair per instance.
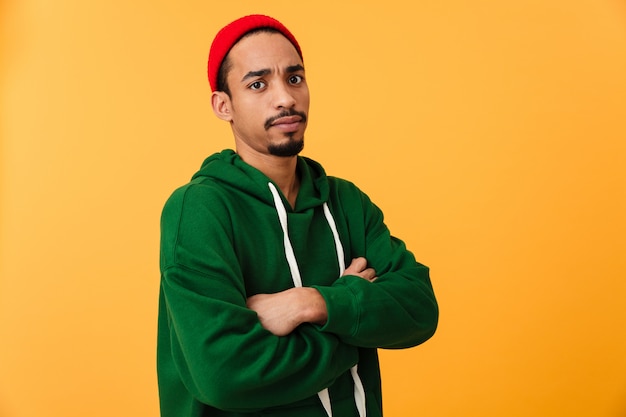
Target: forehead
{"points": [[263, 50]]}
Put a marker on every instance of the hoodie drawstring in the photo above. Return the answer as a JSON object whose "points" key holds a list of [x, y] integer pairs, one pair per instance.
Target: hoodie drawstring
{"points": [[359, 392]]}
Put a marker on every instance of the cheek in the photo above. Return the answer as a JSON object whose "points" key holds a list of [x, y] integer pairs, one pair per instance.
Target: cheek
{"points": [[248, 113], [252, 122], [304, 98]]}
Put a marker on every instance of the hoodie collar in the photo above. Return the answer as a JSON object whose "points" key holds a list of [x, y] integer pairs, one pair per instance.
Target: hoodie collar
{"points": [[228, 168]]}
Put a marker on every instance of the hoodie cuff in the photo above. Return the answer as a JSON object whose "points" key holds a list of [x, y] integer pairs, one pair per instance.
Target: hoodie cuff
{"points": [[341, 306]]}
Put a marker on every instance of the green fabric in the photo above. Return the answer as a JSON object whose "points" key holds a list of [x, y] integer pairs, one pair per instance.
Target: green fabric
{"points": [[221, 242]]}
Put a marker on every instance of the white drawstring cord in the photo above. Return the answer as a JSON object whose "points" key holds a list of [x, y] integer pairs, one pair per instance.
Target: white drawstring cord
{"points": [[338, 245], [359, 391], [291, 256], [324, 396]]}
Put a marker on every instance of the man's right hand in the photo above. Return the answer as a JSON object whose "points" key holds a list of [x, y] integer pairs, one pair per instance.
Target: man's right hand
{"points": [[359, 268]]}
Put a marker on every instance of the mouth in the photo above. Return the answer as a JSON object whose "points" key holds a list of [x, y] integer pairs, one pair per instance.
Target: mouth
{"points": [[287, 122]]}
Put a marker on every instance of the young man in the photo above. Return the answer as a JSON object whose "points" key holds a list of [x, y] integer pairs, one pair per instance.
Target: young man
{"points": [[278, 283]]}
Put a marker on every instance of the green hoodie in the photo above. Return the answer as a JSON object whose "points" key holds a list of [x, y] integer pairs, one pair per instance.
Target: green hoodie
{"points": [[222, 242]]}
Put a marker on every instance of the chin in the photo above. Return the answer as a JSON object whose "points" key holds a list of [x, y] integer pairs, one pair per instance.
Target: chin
{"points": [[290, 148]]}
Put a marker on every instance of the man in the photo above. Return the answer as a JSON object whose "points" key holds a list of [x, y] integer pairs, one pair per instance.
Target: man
{"points": [[278, 282]]}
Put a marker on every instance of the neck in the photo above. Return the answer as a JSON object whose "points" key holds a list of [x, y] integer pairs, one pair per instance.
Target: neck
{"points": [[281, 170]]}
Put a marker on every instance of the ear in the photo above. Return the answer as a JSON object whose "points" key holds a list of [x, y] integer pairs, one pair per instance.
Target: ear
{"points": [[221, 105]]}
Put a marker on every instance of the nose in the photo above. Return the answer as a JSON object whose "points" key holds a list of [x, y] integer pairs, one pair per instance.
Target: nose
{"points": [[283, 97]]}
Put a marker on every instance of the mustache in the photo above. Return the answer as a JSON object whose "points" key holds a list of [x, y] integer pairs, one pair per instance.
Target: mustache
{"points": [[284, 113]]}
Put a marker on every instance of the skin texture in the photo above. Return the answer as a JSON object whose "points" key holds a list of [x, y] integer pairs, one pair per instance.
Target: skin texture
{"points": [[266, 80], [268, 110]]}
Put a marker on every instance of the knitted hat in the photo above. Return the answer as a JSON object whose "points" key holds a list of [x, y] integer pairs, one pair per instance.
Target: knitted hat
{"points": [[230, 34]]}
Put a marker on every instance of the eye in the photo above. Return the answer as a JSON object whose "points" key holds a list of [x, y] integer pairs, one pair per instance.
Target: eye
{"points": [[295, 79], [257, 85]]}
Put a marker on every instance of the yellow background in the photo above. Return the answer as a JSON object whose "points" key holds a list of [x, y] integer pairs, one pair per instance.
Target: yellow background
{"points": [[492, 133]]}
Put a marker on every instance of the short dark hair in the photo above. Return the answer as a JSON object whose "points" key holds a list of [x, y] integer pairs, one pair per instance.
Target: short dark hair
{"points": [[222, 74]]}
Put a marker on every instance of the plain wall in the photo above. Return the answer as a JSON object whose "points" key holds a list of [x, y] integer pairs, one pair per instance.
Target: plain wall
{"points": [[492, 134]]}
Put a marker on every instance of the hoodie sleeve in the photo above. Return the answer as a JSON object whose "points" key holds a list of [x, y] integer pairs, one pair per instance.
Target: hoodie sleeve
{"points": [[216, 345], [399, 308]]}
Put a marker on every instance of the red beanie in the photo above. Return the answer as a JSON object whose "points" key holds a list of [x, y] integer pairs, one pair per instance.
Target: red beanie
{"points": [[230, 34]]}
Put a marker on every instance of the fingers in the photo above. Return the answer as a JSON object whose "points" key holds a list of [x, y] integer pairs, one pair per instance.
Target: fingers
{"points": [[368, 274], [358, 264], [358, 267]]}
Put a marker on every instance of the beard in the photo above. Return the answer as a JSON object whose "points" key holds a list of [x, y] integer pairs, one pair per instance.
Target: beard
{"points": [[293, 146], [290, 148]]}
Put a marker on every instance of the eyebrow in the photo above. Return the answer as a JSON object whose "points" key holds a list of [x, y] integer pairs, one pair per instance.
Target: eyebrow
{"points": [[294, 68], [260, 73]]}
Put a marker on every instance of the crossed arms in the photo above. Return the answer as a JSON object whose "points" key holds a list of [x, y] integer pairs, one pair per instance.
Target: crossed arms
{"points": [[222, 346], [282, 312]]}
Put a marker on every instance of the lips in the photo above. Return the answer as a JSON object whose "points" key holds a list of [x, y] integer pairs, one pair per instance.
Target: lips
{"points": [[288, 120], [287, 124]]}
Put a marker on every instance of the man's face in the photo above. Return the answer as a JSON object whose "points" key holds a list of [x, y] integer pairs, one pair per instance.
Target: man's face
{"points": [[269, 99]]}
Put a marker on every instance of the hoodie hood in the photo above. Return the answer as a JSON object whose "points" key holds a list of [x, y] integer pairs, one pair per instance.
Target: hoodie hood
{"points": [[228, 168]]}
